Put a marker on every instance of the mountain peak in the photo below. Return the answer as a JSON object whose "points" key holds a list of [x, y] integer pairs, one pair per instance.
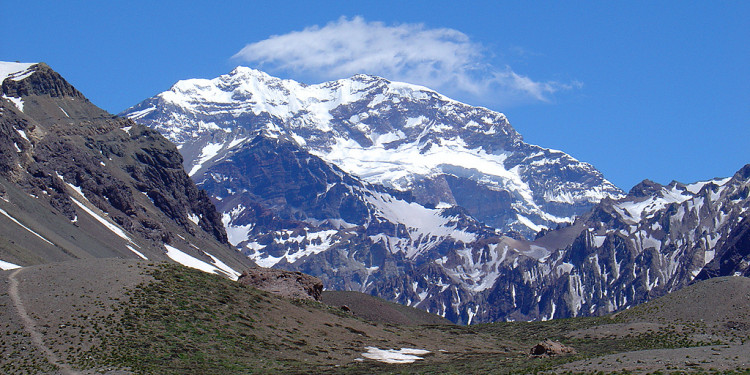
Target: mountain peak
{"points": [[244, 73], [645, 188], [395, 134], [35, 79]]}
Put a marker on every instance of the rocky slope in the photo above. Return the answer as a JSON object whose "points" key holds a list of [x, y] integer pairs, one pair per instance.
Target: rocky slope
{"points": [[78, 182], [656, 240]]}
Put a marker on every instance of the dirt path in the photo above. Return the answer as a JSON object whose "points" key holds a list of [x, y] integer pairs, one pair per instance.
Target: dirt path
{"points": [[30, 326]]}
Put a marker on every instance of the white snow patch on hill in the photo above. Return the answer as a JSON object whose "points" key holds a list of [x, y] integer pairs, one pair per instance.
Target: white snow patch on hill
{"points": [[112, 227], [8, 266], [403, 355], [190, 261], [140, 255], [24, 227], [14, 71], [18, 102]]}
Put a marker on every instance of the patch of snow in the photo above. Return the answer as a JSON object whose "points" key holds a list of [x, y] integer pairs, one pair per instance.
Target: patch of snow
{"points": [[236, 141], [111, 226], [8, 266], [403, 355], [75, 188], [525, 221], [443, 205], [189, 261], [194, 218], [708, 256], [23, 134], [136, 252], [18, 102], [235, 233], [415, 121], [15, 71], [310, 244], [138, 114], [234, 275], [208, 153], [565, 267], [425, 227], [24, 227], [599, 240], [635, 211], [697, 186]]}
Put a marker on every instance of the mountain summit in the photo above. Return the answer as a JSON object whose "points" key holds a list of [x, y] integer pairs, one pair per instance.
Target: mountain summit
{"points": [[397, 135]]}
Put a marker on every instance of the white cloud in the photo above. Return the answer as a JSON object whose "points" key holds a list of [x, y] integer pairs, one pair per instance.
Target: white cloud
{"points": [[443, 59]]}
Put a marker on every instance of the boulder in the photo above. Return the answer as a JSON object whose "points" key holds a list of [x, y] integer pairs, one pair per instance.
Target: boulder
{"points": [[283, 283], [549, 348]]}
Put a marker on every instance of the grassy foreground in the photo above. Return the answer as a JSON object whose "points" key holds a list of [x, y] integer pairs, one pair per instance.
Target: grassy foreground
{"points": [[189, 322]]}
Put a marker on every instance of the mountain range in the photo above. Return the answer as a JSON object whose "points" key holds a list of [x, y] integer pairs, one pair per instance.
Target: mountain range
{"points": [[397, 191], [374, 186]]}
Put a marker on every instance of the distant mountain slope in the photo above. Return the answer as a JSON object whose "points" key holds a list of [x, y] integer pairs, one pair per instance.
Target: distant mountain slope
{"points": [[393, 134], [77, 182]]}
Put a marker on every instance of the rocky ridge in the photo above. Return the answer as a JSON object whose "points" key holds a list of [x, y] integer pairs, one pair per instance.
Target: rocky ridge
{"points": [[78, 182]]}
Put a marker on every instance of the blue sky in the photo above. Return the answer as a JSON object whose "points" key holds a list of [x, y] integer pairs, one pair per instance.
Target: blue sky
{"points": [[657, 90]]}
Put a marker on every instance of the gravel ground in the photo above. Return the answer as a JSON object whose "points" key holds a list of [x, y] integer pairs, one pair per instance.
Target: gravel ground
{"points": [[704, 358], [60, 299]]}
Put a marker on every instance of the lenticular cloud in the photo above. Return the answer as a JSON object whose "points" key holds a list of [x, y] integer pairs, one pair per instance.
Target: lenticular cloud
{"points": [[443, 59]]}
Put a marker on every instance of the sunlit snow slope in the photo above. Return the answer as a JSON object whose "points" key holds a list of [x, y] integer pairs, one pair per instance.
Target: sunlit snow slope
{"points": [[393, 134]]}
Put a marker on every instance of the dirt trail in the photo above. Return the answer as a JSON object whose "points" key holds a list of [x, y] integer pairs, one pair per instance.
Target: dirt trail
{"points": [[30, 326]]}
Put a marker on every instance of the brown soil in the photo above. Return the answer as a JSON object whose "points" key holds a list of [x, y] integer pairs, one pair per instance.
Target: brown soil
{"points": [[379, 310]]}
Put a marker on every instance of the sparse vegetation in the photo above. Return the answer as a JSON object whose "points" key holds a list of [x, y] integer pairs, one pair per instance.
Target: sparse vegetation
{"points": [[182, 321]]}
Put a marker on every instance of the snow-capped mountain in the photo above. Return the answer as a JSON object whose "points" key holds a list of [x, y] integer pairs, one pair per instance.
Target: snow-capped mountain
{"points": [[397, 135], [77, 182], [395, 190]]}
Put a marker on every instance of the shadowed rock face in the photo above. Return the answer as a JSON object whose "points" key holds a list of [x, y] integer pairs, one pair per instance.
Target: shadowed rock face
{"points": [[732, 255], [283, 283]]}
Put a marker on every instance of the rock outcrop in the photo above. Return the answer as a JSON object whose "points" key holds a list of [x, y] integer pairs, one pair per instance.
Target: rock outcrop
{"points": [[287, 284], [550, 348]]}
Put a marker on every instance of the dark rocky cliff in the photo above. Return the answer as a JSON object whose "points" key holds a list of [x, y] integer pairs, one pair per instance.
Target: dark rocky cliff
{"points": [[67, 154]]}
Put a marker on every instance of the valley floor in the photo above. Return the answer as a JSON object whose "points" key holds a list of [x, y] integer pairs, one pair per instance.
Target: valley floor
{"points": [[123, 316]]}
